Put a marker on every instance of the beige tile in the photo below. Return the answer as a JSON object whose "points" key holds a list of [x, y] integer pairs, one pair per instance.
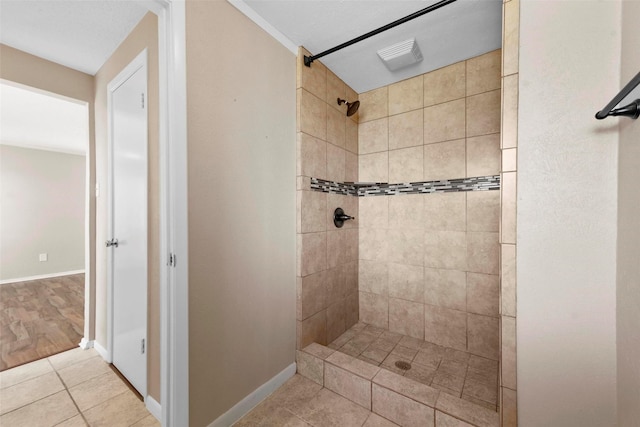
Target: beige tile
{"points": [[151, 421], [421, 374], [445, 211], [353, 309], [483, 294], [311, 294], [311, 156], [29, 391], [428, 360], [445, 327], [310, 367], [483, 252], [313, 78], [313, 329], [330, 409], [444, 420], [508, 186], [124, 409], [406, 317], [351, 242], [406, 247], [294, 393], [349, 204], [373, 167], [509, 352], [78, 421], [336, 127], [484, 72], [373, 104], [83, 371], [482, 403], [351, 277], [445, 288], [313, 115], [508, 279], [375, 354], [405, 95], [483, 155], [312, 206], [456, 355], [335, 283], [445, 122], [303, 183], [373, 277], [483, 113], [481, 391], [373, 245], [451, 382], [336, 320], [373, 136], [511, 41], [510, 111], [445, 249], [406, 130], [312, 253], [400, 409], [336, 163], [375, 420], [374, 309], [406, 165], [485, 365], [406, 282], [406, 212], [407, 387], [351, 167], [411, 342], [336, 250], [68, 358], [509, 160], [509, 408], [25, 372], [336, 89], [319, 351], [97, 390], [374, 211], [45, 412], [346, 384], [351, 136], [452, 367], [467, 411], [444, 160], [483, 211], [444, 84], [483, 336]]}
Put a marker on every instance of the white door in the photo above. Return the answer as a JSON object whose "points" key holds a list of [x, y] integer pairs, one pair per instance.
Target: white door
{"points": [[128, 122]]}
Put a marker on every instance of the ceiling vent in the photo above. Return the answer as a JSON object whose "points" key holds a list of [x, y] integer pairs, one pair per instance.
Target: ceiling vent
{"points": [[401, 54]]}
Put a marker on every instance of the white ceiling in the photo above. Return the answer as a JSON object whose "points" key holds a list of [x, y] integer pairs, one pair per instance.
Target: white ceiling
{"points": [[79, 34], [455, 32], [37, 119]]}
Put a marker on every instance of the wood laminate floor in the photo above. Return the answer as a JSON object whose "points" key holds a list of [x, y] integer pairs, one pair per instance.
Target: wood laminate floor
{"points": [[39, 318]]}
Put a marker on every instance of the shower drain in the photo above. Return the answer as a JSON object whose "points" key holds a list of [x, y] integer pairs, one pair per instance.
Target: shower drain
{"points": [[405, 366]]}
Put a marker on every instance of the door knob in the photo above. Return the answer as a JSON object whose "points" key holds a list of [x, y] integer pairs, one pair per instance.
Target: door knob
{"points": [[112, 242]]}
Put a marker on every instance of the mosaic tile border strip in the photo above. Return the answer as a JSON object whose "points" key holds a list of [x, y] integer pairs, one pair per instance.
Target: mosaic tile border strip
{"points": [[479, 183]]}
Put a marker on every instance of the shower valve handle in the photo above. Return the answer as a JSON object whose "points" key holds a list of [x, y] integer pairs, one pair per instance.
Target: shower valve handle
{"points": [[339, 217]]}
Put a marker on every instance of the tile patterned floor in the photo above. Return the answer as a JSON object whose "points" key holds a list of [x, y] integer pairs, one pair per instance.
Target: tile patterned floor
{"points": [[39, 318], [74, 388], [458, 373]]}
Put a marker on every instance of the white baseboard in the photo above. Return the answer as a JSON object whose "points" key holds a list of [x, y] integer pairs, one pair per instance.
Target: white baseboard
{"points": [[258, 395], [154, 407], [41, 276], [85, 344], [101, 351]]}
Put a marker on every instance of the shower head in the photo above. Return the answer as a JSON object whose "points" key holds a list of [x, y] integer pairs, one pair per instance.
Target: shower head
{"points": [[352, 107]]}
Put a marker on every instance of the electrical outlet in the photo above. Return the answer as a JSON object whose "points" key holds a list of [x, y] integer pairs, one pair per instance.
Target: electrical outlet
{"points": [[43, 257]]}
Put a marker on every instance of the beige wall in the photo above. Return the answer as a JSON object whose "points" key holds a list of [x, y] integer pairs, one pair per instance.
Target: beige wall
{"points": [[327, 147], [144, 35], [429, 262], [628, 272], [42, 209], [242, 245], [569, 68], [26, 69]]}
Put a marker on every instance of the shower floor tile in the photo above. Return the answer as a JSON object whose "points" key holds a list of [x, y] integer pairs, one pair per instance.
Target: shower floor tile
{"points": [[458, 373]]}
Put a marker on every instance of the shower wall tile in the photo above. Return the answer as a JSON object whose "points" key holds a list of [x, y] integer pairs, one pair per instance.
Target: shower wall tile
{"points": [[374, 310], [511, 37], [509, 160], [483, 211], [483, 155], [313, 329], [444, 122], [444, 84], [406, 317], [483, 113], [336, 163], [353, 309], [509, 407], [510, 112], [445, 212], [406, 165], [351, 243], [374, 212], [312, 253], [483, 336], [405, 246], [373, 245], [313, 79], [406, 95], [445, 327], [336, 89], [508, 279], [351, 167], [312, 206], [311, 156], [373, 136], [483, 294], [349, 204], [312, 295], [445, 249], [444, 160], [336, 283], [312, 114], [406, 212], [509, 352], [373, 167], [336, 127], [336, 247], [483, 252], [406, 282], [406, 130], [508, 190], [445, 288], [374, 277], [376, 102], [351, 136], [483, 73], [336, 320]]}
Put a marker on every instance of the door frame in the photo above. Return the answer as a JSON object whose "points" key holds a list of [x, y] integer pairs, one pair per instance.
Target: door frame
{"points": [[137, 64]]}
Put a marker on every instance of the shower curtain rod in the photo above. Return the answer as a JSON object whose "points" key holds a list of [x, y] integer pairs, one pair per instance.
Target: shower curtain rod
{"points": [[309, 59], [632, 110]]}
